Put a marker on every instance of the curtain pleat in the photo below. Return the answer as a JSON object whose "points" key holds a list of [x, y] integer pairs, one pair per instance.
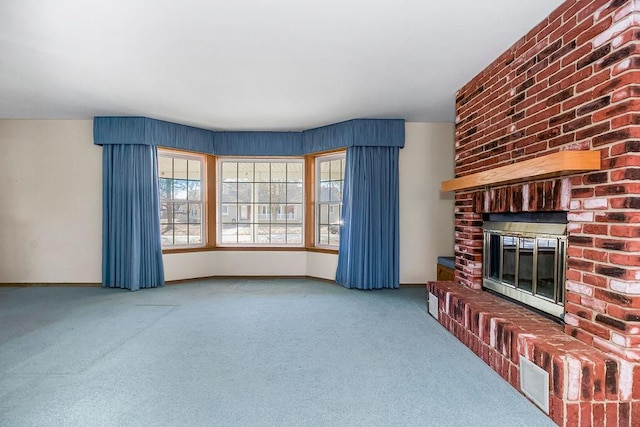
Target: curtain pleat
{"points": [[131, 246], [369, 239]]}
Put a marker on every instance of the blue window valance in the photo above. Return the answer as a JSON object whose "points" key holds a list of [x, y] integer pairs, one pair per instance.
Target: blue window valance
{"points": [[257, 144], [146, 131]]}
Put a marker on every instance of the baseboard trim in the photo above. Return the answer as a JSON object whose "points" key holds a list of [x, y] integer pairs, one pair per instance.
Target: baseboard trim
{"points": [[50, 285], [225, 277], [177, 282]]}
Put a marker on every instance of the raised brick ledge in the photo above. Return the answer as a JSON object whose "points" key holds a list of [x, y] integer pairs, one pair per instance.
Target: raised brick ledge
{"points": [[587, 386]]}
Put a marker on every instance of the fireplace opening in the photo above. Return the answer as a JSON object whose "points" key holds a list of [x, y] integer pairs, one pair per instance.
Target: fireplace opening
{"points": [[524, 258]]}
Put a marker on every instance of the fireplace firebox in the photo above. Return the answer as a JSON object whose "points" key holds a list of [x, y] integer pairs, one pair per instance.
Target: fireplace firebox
{"points": [[526, 261]]}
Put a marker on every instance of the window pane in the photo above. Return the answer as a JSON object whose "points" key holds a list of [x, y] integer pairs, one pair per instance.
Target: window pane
{"points": [[244, 233], [181, 213], [294, 214], [334, 234], [335, 214], [336, 191], [179, 168], [294, 234], [229, 192], [264, 213], [325, 192], [336, 170], [278, 234], [244, 213], [244, 192], [278, 172], [180, 189], [264, 233], [263, 172], [245, 172], [166, 186], [323, 235], [229, 171], [166, 235], [180, 234], [233, 214], [195, 234], [264, 192], [165, 167], [195, 213], [279, 213], [278, 193], [225, 212], [229, 233], [194, 170], [323, 215], [295, 192], [325, 168], [166, 213], [193, 190], [294, 172]]}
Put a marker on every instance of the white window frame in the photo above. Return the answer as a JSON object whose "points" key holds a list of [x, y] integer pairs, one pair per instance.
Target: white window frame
{"points": [[257, 209], [201, 158], [318, 161]]}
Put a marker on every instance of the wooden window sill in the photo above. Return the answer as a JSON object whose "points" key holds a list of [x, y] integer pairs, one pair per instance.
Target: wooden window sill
{"points": [[249, 249]]}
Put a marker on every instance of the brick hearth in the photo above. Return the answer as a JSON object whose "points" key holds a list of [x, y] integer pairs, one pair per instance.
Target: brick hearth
{"points": [[586, 385], [571, 83]]}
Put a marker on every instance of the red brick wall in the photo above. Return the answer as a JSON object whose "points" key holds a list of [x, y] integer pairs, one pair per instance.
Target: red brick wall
{"points": [[573, 82]]}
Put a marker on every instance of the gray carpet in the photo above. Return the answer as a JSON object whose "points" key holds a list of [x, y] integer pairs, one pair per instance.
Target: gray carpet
{"points": [[245, 353]]}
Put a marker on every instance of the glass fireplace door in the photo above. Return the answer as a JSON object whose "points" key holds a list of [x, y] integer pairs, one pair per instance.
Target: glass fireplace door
{"points": [[526, 262]]}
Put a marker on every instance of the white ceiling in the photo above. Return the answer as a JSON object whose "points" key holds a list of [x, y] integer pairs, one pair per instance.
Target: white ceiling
{"points": [[250, 64]]}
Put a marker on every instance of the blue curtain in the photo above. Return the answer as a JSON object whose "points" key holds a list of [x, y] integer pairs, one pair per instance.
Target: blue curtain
{"points": [[369, 238], [131, 247]]}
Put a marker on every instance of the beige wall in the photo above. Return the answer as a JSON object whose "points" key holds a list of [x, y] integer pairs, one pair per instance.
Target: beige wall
{"points": [[50, 202], [235, 263], [426, 215], [50, 219]]}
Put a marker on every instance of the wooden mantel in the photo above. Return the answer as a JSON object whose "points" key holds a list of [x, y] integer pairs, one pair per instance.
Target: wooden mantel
{"points": [[549, 166]]}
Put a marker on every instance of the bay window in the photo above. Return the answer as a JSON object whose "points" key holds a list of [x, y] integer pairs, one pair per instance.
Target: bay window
{"points": [[208, 201]]}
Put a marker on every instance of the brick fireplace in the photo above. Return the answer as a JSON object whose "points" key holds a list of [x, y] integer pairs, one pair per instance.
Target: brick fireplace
{"points": [[571, 83]]}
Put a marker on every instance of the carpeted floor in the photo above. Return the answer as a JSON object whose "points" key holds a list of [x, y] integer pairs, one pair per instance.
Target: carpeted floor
{"points": [[245, 353]]}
